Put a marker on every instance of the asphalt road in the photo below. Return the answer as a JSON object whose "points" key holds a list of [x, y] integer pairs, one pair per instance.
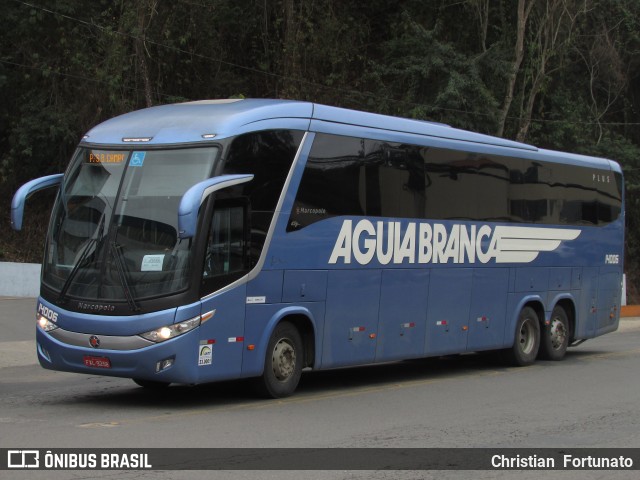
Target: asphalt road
{"points": [[591, 399]]}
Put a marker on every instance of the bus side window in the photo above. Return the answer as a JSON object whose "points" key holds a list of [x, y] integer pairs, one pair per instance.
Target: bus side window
{"points": [[225, 257]]}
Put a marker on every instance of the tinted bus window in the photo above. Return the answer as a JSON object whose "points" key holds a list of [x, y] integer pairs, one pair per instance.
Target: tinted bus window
{"points": [[464, 186], [354, 177]]}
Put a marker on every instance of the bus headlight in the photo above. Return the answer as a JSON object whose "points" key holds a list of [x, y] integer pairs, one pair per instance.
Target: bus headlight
{"points": [[45, 324], [171, 331]]}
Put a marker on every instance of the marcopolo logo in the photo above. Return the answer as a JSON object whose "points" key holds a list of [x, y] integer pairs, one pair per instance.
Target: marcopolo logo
{"points": [[423, 243]]}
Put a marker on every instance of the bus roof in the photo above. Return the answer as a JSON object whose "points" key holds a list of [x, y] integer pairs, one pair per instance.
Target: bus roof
{"points": [[189, 122], [207, 120]]}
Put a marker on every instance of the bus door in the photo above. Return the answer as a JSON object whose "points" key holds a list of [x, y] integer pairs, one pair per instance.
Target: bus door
{"points": [[224, 334], [448, 310], [403, 314], [351, 322], [225, 260]]}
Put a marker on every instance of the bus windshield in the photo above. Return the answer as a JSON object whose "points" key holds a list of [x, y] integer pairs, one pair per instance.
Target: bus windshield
{"points": [[114, 231]]}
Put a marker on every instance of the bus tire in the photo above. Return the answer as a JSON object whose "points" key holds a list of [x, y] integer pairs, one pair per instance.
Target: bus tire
{"points": [[527, 339], [151, 384], [555, 336], [283, 362]]}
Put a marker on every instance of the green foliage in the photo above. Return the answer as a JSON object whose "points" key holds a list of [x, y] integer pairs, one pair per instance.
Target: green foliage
{"points": [[433, 78], [69, 65]]}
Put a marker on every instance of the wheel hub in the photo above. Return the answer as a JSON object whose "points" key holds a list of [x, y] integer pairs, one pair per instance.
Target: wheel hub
{"points": [[558, 334], [283, 360], [526, 337]]}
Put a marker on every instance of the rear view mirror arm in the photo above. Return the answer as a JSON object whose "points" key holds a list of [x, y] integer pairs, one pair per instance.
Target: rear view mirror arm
{"points": [[193, 198], [25, 191]]}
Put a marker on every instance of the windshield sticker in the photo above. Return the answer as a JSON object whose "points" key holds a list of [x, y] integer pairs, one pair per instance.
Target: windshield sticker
{"points": [[152, 263], [137, 159]]}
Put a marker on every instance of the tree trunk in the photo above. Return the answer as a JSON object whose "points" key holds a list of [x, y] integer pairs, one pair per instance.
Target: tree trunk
{"points": [[523, 13], [143, 24], [553, 37], [481, 10]]}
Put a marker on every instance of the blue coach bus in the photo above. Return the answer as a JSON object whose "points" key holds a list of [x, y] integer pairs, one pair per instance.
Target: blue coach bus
{"points": [[226, 239]]}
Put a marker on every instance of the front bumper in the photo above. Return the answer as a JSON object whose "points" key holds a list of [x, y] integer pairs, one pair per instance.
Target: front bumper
{"points": [[139, 363]]}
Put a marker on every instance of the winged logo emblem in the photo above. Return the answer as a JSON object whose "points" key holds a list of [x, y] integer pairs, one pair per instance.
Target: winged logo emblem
{"points": [[524, 244]]}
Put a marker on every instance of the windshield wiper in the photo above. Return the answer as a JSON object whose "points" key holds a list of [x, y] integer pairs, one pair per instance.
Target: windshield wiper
{"points": [[117, 254], [83, 256]]}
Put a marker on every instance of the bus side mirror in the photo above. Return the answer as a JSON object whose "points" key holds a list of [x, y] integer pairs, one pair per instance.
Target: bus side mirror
{"points": [[25, 191], [193, 198]]}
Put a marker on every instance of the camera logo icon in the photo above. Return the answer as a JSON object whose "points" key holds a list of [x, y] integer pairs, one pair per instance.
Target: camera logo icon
{"points": [[23, 459]]}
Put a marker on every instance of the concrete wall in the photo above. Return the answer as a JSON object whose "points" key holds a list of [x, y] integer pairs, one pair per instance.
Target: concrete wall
{"points": [[19, 279]]}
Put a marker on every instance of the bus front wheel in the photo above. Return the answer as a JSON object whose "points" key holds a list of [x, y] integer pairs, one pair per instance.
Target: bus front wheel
{"points": [[555, 336], [527, 339], [283, 362]]}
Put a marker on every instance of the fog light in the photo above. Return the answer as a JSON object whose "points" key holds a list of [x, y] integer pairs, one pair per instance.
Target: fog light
{"points": [[164, 364], [44, 352]]}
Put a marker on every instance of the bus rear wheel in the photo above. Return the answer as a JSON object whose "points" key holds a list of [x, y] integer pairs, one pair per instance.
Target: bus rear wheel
{"points": [[527, 339], [283, 362], [555, 336]]}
